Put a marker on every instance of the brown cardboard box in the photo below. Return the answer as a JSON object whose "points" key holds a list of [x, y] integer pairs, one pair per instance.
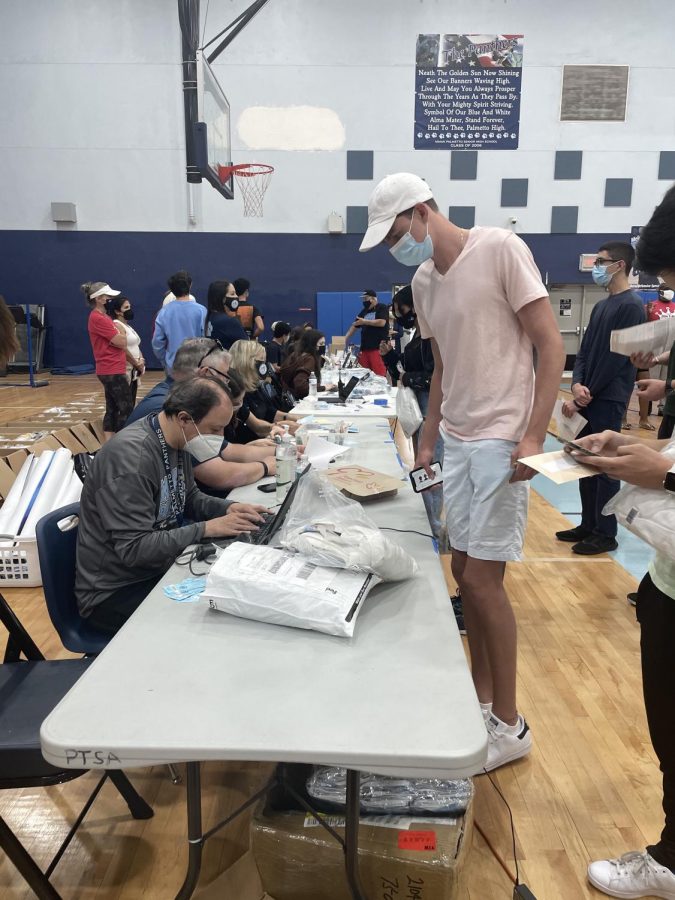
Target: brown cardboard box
{"points": [[7, 477], [96, 426], [86, 437], [298, 860], [240, 882], [66, 437], [363, 484]]}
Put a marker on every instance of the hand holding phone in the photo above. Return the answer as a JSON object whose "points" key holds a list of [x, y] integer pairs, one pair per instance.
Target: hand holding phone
{"points": [[577, 448], [420, 480]]}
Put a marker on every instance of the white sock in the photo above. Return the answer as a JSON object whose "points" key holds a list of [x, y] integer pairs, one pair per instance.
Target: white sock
{"points": [[486, 707], [509, 729]]}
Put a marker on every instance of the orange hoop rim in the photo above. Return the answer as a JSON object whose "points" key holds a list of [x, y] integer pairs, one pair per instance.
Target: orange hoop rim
{"points": [[244, 170]]}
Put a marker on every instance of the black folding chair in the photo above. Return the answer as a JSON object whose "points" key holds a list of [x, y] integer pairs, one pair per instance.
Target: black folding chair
{"points": [[30, 687]]}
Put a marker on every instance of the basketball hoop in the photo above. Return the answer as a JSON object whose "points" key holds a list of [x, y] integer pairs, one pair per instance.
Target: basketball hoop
{"points": [[253, 180]]}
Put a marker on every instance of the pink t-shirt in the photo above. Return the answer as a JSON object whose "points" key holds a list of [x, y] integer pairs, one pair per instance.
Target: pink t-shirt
{"points": [[488, 375]]}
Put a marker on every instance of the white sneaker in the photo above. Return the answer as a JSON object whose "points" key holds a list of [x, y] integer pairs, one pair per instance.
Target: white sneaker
{"points": [[506, 743], [635, 874]]}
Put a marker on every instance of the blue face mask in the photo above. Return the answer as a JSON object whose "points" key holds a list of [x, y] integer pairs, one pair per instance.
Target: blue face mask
{"points": [[410, 252], [601, 276]]}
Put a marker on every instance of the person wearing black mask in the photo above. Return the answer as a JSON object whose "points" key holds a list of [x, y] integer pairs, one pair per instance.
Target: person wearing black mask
{"points": [[307, 358], [222, 323], [373, 322], [120, 311]]}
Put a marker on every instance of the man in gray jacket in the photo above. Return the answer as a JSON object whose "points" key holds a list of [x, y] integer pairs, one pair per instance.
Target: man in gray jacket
{"points": [[140, 507]]}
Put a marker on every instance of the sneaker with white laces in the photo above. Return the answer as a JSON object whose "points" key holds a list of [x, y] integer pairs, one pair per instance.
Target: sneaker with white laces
{"points": [[635, 874], [506, 743]]}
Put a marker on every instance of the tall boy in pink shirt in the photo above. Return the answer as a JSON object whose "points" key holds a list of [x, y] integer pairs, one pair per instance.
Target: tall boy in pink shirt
{"points": [[480, 298]]}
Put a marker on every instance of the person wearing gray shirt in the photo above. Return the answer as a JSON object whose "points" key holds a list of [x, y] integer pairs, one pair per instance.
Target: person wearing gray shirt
{"points": [[140, 507]]}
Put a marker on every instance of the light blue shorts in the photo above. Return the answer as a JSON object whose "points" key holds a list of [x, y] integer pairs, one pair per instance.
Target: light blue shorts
{"points": [[486, 516]]}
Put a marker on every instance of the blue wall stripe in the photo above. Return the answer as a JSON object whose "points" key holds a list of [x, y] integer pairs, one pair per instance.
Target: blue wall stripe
{"points": [[286, 271]]}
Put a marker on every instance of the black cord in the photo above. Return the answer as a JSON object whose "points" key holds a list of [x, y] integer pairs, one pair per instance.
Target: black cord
{"points": [[406, 531], [513, 830]]}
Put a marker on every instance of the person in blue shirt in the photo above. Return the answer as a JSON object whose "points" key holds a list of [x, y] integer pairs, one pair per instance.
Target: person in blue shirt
{"points": [[184, 318], [222, 323], [602, 383]]}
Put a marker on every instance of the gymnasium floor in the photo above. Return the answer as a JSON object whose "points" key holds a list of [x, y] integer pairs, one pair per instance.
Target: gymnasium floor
{"points": [[590, 789]]}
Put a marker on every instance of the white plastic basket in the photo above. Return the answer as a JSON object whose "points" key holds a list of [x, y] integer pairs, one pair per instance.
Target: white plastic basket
{"points": [[20, 563]]}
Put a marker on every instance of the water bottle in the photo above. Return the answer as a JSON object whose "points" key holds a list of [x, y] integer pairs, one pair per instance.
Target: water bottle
{"points": [[285, 455], [313, 388]]}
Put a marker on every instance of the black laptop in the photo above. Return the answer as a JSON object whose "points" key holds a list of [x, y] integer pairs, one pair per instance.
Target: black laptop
{"points": [[272, 523], [344, 390]]}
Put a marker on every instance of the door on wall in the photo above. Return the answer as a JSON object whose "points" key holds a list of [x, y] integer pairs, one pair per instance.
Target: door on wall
{"points": [[567, 303]]}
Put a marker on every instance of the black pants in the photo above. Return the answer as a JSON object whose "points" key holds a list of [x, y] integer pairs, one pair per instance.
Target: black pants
{"points": [[110, 615], [656, 615], [118, 402], [599, 489], [133, 387], [666, 427]]}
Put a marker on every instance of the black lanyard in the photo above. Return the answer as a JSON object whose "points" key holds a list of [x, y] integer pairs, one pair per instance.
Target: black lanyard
{"points": [[176, 492]]}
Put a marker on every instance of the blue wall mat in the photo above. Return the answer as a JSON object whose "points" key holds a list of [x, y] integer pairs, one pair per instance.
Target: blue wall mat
{"points": [[285, 270], [329, 313]]}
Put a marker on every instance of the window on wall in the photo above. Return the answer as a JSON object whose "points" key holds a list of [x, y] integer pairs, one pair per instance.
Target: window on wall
{"points": [[594, 94]]}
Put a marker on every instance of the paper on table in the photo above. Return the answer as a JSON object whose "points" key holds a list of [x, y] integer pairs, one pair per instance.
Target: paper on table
{"points": [[559, 466], [567, 429], [654, 337], [319, 451]]}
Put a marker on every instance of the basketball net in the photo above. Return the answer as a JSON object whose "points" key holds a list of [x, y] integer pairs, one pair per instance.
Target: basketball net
{"points": [[253, 179]]}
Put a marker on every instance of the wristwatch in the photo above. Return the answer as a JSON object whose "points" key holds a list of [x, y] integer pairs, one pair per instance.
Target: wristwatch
{"points": [[669, 480]]}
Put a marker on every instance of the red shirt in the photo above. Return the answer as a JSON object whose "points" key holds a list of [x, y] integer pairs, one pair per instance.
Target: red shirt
{"points": [[109, 360], [659, 309]]}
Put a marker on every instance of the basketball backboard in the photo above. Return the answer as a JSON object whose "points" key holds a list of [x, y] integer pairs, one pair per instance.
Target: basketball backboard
{"points": [[213, 141]]}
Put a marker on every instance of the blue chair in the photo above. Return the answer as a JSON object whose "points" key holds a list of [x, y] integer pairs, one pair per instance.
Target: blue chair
{"points": [[30, 688], [56, 550]]}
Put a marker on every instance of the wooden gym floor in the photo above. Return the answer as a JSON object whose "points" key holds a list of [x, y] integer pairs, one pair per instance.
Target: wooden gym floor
{"points": [[590, 789]]}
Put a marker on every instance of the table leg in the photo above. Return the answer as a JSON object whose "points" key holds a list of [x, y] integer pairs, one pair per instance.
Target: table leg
{"points": [[353, 811], [195, 837]]}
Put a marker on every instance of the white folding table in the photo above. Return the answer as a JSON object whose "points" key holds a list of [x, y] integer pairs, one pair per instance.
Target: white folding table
{"points": [[184, 683]]}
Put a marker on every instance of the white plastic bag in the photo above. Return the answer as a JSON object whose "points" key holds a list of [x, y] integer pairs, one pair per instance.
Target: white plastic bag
{"points": [[329, 529], [650, 514], [282, 588], [408, 411]]}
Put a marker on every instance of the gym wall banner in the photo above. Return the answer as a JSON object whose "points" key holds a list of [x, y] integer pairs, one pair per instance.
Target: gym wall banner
{"points": [[467, 91]]}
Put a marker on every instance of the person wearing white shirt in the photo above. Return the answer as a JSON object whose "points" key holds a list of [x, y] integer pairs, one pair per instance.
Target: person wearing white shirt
{"points": [[120, 311]]}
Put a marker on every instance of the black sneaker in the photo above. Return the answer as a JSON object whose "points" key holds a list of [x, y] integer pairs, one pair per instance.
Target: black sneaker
{"points": [[458, 610], [598, 543], [573, 535]]}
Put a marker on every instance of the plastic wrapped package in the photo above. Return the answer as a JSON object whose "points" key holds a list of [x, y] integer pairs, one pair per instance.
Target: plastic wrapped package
{"points": [[384, 795], [329, 529]]}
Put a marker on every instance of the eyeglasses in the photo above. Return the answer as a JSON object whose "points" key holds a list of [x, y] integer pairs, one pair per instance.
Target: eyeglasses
{"points": [[216, 346], [600, 261]]}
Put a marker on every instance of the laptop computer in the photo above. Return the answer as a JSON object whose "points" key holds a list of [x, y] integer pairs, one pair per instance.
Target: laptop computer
{"points": [[344, 390], [272, 523]]}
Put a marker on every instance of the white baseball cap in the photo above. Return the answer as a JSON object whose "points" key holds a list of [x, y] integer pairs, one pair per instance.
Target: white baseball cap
{"points": [[106, 290], [393, 195]]}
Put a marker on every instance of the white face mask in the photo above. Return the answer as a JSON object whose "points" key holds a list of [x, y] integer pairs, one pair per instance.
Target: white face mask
{"points": [[204, 447]]}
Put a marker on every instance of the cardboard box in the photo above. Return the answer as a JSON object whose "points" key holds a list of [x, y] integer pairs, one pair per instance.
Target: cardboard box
{"points": [[363, 484], [96, 426], [86, 437], [298, 860], [240, 882], [67, 439]]}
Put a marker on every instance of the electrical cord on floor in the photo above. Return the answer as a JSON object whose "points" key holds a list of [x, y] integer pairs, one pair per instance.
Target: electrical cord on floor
{"points": [[520, 891]]}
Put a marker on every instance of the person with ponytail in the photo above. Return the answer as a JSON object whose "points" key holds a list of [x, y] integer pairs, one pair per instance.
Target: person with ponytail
{"points": [[109, 347]]}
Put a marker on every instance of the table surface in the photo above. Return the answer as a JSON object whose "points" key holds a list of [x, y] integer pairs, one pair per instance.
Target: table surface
{"points": [[353, 409], [181, 682]]}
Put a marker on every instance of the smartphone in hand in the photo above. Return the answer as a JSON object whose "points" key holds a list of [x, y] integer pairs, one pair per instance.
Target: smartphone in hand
{"points": [[584, 451], [420, 480]]}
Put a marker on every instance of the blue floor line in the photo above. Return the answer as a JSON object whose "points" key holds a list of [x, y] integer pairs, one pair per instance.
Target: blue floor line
{"points": [[633, 553]]}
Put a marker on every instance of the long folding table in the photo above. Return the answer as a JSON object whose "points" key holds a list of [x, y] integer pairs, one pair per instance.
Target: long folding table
{"points": [[184, 683]]}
